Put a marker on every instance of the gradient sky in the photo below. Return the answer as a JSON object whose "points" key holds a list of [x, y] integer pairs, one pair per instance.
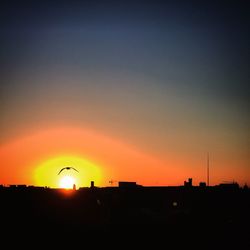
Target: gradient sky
{"points": [[143, 89]]}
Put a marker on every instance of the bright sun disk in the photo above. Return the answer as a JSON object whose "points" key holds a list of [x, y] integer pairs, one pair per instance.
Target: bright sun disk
{"points": [[67, 182]]}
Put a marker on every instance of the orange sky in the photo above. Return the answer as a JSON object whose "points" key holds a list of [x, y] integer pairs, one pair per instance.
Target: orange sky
{"points": [[116, 160]]}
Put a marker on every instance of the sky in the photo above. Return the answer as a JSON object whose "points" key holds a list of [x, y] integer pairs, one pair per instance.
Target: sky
{"points": [[124, 91]]}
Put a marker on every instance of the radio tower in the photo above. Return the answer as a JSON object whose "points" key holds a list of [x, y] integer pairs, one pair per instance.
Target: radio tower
{"points": [[208, 169]]}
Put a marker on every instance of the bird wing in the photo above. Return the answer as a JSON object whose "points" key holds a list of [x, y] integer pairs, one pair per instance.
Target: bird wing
{"points": [[60, 171], [75, 169]]}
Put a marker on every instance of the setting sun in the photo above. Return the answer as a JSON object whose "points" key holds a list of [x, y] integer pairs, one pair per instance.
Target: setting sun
{"points": [[67, 182], [46, 174]]}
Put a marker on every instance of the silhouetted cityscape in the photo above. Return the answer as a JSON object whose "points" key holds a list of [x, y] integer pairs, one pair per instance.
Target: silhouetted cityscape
{"points": [[129, 210]]}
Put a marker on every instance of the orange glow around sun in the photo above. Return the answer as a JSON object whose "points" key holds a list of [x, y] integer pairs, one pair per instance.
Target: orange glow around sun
{"points": [[37, 158]]}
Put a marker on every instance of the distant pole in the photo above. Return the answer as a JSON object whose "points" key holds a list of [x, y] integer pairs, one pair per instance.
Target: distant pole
{"points": [[208, 169]]}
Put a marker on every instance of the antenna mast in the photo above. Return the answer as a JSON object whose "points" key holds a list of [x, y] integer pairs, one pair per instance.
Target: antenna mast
{"points": [[208, 169]]}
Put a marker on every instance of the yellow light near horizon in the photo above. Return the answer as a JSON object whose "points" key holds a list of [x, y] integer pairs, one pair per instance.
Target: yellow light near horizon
{"points": [[67, 182], [47, 173]]}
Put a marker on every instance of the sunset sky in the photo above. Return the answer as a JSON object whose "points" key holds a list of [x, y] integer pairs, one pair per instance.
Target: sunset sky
{"points": [[124, 91]]}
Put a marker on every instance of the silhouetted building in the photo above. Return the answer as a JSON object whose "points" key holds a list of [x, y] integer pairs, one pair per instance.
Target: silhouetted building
{"points": [[127, 184], [37, 187], [92, 184], [229, 186], [188, 183], [202, 184]]}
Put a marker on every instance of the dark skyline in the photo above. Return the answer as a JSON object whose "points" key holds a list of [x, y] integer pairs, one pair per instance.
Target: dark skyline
{"points": [[214, 217]]}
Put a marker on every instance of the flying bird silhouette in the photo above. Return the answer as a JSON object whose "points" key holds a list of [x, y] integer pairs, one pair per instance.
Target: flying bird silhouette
{"points": [[67, 168]]}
